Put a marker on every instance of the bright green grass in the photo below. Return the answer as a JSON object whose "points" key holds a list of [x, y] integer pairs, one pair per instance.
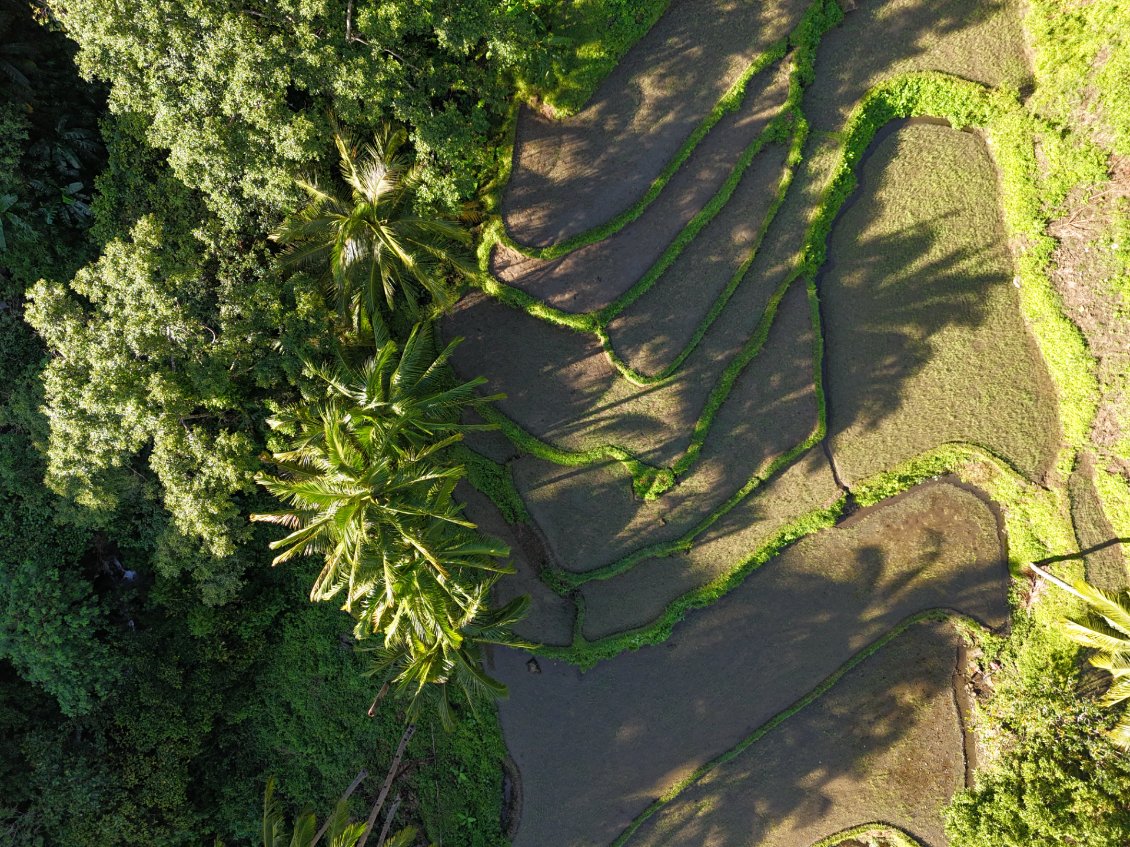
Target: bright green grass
{"points": [[588, 38]]}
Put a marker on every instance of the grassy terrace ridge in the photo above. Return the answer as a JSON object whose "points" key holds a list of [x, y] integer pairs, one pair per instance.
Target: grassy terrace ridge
{"points": [[916, 94], [729, 102], [1007, 126], [1034, 508], [1034, 518]]}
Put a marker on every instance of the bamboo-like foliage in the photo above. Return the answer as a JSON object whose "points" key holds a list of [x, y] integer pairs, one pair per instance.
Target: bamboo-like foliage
{"points": [[1106, 629], [370, 490], [365, 237]]}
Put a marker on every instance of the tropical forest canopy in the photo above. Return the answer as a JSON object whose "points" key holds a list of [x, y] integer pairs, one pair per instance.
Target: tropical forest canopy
{"points": [[197, 326]]}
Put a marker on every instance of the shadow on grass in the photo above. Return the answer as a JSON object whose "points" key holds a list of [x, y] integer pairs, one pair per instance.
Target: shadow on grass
{"points": [[571, 175], [881, 37], [925, 343]]}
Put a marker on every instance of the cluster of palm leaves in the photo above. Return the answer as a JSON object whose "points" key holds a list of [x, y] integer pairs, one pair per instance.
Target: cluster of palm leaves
{"points": [[374, 252], [1106, 629], [370, 491], [367, 474]]}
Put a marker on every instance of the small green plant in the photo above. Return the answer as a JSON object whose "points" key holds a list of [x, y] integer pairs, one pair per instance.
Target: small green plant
{"points": [[1106, 629]]}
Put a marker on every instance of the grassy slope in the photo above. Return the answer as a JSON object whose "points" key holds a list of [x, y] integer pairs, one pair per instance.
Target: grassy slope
{"points": [[921, 315]]}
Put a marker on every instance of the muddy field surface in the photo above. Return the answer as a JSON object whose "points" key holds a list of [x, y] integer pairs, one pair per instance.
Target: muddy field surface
{"points": [[594, 749], [569, 176], [883, 745]]}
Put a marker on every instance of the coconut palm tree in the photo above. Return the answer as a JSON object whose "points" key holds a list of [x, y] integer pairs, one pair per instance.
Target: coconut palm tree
{"points": [[1106, 629], [375, 252], [365, 474], [370, 491]]}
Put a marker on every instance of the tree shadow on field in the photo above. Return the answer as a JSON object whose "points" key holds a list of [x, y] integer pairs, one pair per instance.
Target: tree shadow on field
{"points": [[595, 749], [590, 515], [880, 37], [925, 343], [573, 174], [883, 745], [880, 331]]}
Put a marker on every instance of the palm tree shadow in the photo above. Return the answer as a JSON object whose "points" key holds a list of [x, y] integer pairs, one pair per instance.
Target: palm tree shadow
{"points": [[919, 318]]}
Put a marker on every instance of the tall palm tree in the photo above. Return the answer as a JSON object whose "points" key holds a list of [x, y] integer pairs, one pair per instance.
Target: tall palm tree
{"points": [[365, 475], [376, 252], [370, 491], [1106, 629]]}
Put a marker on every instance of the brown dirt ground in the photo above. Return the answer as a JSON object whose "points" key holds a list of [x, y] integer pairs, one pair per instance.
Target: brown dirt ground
{"points": [[639, 596], [590, 516], [921, 315], [883, 745], [974, 39], [572, 175], [561, 388], [552, 376], [656, 328], [595, 748], [592, 277]]}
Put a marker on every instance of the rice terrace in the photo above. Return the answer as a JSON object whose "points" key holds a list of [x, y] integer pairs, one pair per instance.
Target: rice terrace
{"points": [[773, 331], [565, 423]]}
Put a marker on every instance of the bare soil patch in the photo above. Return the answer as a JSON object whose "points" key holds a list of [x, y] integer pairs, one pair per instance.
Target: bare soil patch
{"points": [[552, 376], [590, 516], [596, 748], [1084, 262], [571, 175], [883, 745], [925, 341], [592, 277]]}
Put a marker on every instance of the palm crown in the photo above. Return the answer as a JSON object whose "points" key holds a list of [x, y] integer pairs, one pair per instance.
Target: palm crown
{"points": [[369, 490], [377, 250], [1106, 628]]}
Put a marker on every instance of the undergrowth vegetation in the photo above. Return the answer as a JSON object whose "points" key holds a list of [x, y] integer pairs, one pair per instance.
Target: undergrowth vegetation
{"points": [[154, 669]]}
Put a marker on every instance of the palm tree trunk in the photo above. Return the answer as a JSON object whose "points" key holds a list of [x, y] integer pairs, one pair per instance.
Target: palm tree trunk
{"points": [[1056, 581], [409, 731], [388, 820]]}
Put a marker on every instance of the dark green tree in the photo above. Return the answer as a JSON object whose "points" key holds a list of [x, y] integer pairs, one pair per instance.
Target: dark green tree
{"points": [[238, 92]]}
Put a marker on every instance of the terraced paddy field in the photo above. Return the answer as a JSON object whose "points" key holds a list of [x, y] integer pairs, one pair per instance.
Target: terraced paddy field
{"points": [[780, 265]]}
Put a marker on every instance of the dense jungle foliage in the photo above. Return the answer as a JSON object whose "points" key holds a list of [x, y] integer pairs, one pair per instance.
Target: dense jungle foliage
{"points": [[154, 668]]}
